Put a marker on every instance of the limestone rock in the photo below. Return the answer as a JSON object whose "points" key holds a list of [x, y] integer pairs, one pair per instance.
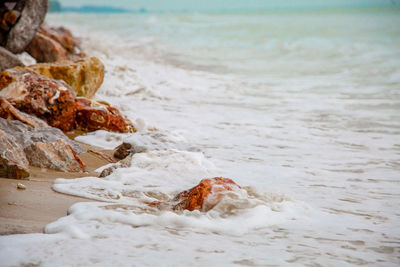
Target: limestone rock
{"points": [[48, 99], [205, 195], [56, 155], [8, 112], [92, 115], [8, 59], [32, 16], [84, 75], [25, 135], [13, 163]]}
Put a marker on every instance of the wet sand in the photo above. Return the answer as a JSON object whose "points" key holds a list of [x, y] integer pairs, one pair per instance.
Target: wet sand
{"points": [[29, 210]]}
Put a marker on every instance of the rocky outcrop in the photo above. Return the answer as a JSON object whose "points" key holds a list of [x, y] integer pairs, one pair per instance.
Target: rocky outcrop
{"points": [[84, 75], [205, 195], [42, 147], [92, 115], [35, 94], [54, 102], [13, 162], [56, 155], [32, 16], [54, 44], [25, 135], [8, 112], [8, 59]]}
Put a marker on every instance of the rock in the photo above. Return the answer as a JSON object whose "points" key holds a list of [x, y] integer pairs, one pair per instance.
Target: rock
{"points": [[13, 162], [205, 195], [42, 147], [54, 44], [8, 112], [54, 101], [21, 186], [32, 16], [64, 37], [56, 155], [8, 59], [125, 163], [25, 135], [48, 99], [123, 150], [44, 49], [151, 140], [92, 115], [84, 75]]}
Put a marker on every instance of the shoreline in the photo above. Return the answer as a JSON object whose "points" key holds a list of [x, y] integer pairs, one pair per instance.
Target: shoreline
{"points": [[30, 210]]}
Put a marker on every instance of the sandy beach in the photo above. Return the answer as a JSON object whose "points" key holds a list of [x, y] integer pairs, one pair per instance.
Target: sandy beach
{"points": [[28, 210]]}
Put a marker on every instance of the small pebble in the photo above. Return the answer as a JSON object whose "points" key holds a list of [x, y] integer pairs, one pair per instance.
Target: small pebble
{"points": [[21, 186]]}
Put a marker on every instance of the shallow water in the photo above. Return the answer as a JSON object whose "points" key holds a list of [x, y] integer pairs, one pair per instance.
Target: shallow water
{"points": [[300, 108]]}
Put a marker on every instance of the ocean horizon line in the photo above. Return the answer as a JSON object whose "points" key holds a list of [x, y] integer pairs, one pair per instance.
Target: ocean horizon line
{"points": [[117, 10]]}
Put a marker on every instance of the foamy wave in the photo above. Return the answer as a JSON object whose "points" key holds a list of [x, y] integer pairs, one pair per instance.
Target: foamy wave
{"points": [[236, 214]]}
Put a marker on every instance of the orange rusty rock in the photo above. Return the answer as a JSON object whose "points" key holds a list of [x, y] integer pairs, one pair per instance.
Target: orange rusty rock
{"points": [[44, 49], [45, 98], [54, 44], [92, 115], [205, 195], [54, 102], [9, 112], [62, 35]]}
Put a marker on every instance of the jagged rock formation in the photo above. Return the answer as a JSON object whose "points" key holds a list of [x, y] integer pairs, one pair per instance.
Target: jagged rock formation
{"points": [[22, 145], [56, 155], [54, 101], [84, 75], [13, 162], [92, 115]]}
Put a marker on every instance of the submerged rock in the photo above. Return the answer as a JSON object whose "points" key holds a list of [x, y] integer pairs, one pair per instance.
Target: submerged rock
{"points": [[13, 162], [205, 195], [92, 115], [35, 94], [125, 163], [84, 75], [123, 150], [32, 16], [56, 155]]}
